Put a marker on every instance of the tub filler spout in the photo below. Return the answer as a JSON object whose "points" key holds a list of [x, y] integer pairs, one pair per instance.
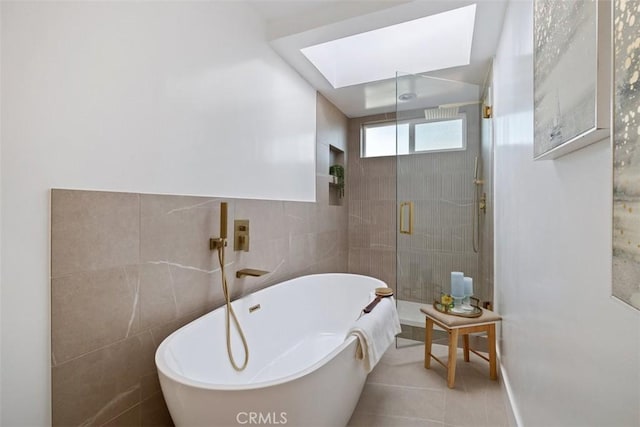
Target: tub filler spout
{"points": [[252, 272]]}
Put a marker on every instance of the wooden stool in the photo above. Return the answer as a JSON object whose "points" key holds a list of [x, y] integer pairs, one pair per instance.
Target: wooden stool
{"points": [[455, 326]]}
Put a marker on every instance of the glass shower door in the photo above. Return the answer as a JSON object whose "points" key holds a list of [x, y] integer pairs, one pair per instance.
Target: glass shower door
{"points": [[437, 142]]}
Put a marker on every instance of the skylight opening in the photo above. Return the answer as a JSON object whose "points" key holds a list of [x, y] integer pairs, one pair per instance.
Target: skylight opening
{"points": [[431, 43]]}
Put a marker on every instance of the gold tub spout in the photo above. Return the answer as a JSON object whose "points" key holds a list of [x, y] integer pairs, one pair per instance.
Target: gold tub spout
{"points": [[250, 272]]}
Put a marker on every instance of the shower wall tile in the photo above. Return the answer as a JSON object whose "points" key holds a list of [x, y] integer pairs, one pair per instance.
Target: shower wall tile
{"points": [[334, 263], [129, 269], [93, 231], [372, 209], [356, 261]]}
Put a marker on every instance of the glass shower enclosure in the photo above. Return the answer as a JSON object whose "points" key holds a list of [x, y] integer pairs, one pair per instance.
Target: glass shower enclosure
{"points": [[438, 179]]}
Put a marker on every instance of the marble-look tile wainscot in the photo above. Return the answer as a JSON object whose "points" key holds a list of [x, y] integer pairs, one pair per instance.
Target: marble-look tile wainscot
{"points": [[128, 269]]}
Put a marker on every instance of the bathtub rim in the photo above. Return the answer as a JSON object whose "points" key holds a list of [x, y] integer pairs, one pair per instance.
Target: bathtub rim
{"points": [[165, 370]]}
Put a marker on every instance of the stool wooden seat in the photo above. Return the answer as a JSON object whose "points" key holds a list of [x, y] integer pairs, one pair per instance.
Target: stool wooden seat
{"points": [[455, 326]]}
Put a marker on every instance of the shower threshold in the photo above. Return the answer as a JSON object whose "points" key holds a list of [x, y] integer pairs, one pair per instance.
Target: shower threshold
{"points": [[410, 314]]}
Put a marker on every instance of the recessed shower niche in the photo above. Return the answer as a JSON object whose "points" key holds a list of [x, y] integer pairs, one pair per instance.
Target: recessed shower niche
{"points": [[336, 176]]}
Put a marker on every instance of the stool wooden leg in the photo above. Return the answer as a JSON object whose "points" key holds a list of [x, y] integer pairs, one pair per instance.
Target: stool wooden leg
{"points": [[465, 337], [451, 362], [491, 337], [428, 337]]}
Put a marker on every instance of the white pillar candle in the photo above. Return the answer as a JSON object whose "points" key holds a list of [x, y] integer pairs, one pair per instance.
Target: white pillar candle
{"points": [[457, 284], [468, 286]]}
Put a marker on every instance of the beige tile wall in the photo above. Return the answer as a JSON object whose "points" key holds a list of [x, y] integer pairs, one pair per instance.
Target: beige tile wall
{"points": [[371, 187], [128, 269]]}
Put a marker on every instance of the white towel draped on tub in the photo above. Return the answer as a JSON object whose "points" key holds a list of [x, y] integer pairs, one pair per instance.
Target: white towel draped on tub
{"points": [[376, 331]]}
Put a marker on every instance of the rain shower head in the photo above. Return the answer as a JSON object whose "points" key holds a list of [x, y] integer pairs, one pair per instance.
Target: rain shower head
{"points": [[440, 113], [446, 111]]}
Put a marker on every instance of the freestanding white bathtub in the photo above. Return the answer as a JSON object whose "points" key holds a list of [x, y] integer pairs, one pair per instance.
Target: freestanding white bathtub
{"points": [[302, 367]]}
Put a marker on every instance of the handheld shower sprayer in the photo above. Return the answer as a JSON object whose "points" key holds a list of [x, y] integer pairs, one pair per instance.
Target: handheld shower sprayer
{"points": [[475, 169], [475, 174], [218, 244], [223, 220]]}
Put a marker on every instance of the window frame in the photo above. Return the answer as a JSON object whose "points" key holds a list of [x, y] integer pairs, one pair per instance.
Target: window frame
{"points": [[412, 135], [363, 137]]}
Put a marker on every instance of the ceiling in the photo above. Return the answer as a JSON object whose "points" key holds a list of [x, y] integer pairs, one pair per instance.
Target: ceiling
{"points": [[296, 24]]}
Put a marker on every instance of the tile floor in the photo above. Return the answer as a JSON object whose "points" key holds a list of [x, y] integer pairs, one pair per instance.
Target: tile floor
{"points": [[400, 393]]}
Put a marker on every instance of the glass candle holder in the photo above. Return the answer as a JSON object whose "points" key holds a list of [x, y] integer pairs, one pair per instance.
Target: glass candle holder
{"points": [[457, 302], [468, 292]]}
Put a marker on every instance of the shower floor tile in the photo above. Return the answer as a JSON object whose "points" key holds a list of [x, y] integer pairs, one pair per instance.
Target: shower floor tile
{"points": [[400, 392]]}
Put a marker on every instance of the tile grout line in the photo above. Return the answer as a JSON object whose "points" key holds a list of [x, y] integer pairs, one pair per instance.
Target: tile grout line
{"points": [[96, 270], [405, 386], [398, 416]]}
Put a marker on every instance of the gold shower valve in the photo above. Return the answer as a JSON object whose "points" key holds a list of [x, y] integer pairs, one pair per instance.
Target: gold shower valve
{"points": [[241, 235], [483, 203]]}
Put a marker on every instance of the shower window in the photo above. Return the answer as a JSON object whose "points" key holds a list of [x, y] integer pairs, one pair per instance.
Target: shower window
{"points": [[413, 136], [440, 135], [379, 139]]}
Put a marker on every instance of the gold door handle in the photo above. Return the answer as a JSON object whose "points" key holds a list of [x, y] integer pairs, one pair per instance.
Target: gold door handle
{"points": [[406, 218]]}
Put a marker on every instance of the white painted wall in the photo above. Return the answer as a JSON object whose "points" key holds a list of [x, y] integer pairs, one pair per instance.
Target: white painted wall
{"points": [[570, 352], [0, 215], [162, 97]]}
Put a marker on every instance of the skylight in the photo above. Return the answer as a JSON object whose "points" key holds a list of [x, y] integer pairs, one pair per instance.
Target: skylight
{"points": [[431, 43]]}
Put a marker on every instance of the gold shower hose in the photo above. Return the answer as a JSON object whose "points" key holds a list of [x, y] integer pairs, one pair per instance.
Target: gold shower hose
{"points": [[229, 311]]}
